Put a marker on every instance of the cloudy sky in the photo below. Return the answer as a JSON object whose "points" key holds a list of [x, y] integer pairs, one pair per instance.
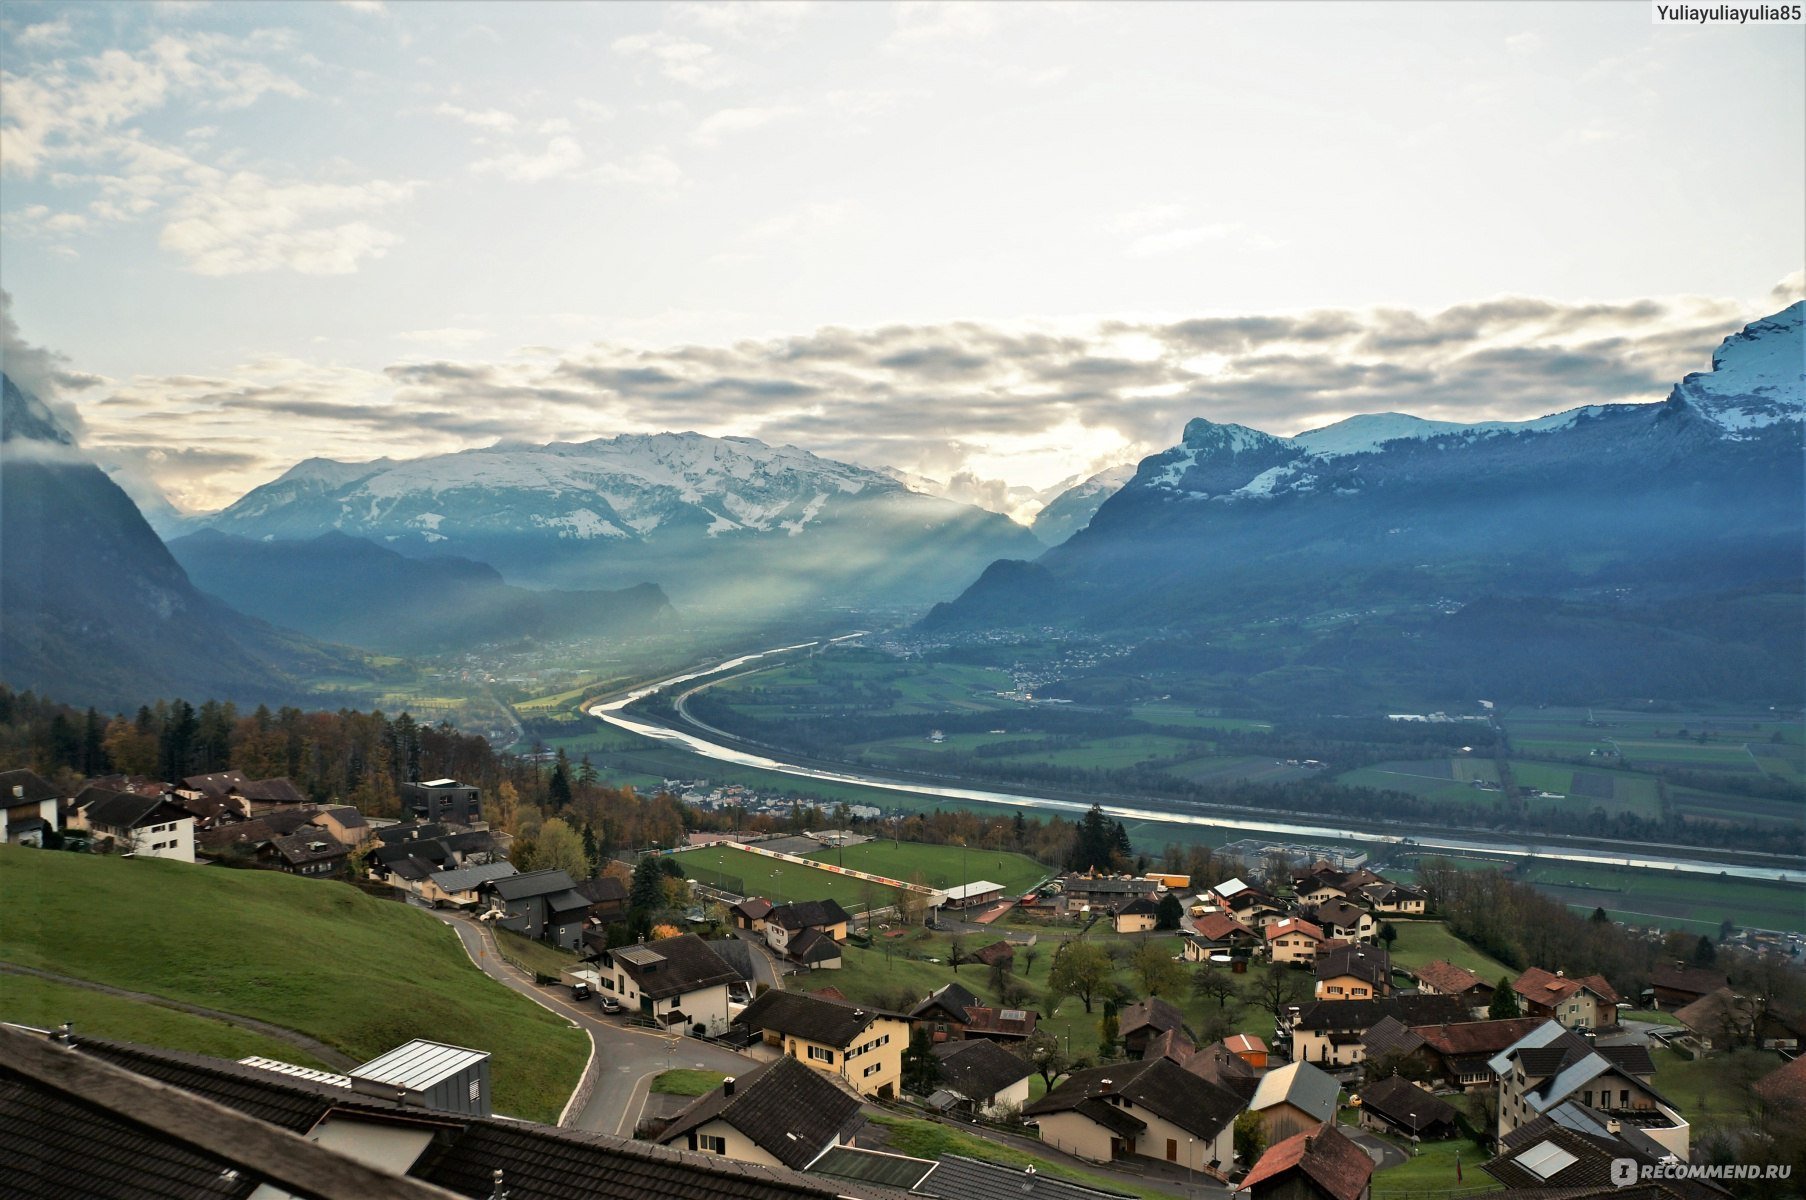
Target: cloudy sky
{"points": [[1014, 243]]}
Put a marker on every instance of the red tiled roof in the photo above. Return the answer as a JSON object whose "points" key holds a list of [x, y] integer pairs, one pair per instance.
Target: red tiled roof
{"points": [[1784, 1085], [1279, 929], [1326, 1156], [1448, 978], [1216, 926], [1476, 1037], [1547, 989]]}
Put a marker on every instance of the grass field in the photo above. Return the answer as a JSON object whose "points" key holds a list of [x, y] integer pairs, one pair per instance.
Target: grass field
{"points": [[46, 1004], [358, 973], [940, 866], [1421, 942], [1431, 1172], [1446, 779], [1713, 1092], [686, 1082], [781, 882], [1694, 902]]}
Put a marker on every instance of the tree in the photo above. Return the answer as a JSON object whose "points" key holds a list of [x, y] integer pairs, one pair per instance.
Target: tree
{"points": [[1504, 1004], [1079, 969], [921, 1069], [1029, 957], [1096, 840], [558, 791], [1388, 933], [1108, 1027], [1704, 955], [1250, 1136], [1212, 984], [956, 953], [1170, 914], [561, 848], [646, 894], [1158, 973], [1278, 988], [1042, 1049]]}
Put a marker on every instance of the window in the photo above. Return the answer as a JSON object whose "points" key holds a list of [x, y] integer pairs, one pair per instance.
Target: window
{"points": [[710, 1144], [871, 1070], [821, 1055]]}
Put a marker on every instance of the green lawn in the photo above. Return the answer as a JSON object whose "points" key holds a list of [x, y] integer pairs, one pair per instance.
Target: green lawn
{"points": [[1431, 1172], [686, 1082], [45, 1004], [779, 881], [1673, 899], [1421, 942], [356, 972], [1713, 1092], [940, 866], [537, 957], [930, 1139]]}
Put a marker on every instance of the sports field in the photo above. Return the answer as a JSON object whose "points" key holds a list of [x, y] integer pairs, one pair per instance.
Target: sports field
{"points": [[940, 866], [779, 881]]}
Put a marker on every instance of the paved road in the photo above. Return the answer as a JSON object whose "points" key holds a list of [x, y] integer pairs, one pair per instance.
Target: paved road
{"points": [[624, 1061], [338, 1060], [1382, 1152]]}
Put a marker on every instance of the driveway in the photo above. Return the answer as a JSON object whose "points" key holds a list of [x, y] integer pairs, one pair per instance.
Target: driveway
{"points": [[624, 1060], [1383, 1153]]}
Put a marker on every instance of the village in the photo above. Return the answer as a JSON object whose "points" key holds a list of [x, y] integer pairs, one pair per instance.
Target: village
{"points": [[1250, 1035]]}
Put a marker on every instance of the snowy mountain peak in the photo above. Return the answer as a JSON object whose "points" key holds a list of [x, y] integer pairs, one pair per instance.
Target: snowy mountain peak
{"points": [[1758, 375], [24, 417], [1204, 435], [1370, 431]]}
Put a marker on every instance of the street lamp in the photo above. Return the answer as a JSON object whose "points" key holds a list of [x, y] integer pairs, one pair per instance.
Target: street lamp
{"points": [[1415, 1149], [1189, 1178]]}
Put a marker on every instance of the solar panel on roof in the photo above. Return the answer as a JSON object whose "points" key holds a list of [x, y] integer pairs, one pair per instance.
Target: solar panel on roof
{"points": [[639, 956], [1013, 1014], [1546, 1159]]}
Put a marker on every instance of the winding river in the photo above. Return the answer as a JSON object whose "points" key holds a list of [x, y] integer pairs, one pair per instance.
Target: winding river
{"points": [[614, 713]]}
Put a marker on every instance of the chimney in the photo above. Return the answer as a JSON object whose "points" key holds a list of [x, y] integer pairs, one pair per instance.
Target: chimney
{"points": [[1310, 1142], [727, 1086], [1613, 1126], [1104, 1086]]}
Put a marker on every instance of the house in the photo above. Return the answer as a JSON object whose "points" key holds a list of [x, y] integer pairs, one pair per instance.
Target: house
{"points": [[814, 949], [750, 913], [1293, 1099], [1576, 1151], [1354, 973], [1136, 916], [1313, 890], [1676, 985], [544, 905], [779, 1114], [862, 1045], [1103, 891], [1249, 1049], [1392, 1047], [1588, 1003], [443, 800], [677, 982], [786, 921], [1329, 1032], [952, 1014], [1214, 1063], [314, 853], [1293, 940], [607, 896], [1340, 919], [95, 1118], [1142, 1020], [986, 1077], [1723, 1020], [31, 808], [996, 953], [251, 835], [1783, 1090], [1320, 1164], [1384, 896], [1444, 978], [1218, 933], [141, 825], [1551, 1066], [209, 812], [461, 886], [1227, 890], [972, 895], [1462, 1051], [1396, 1105], [1150, 1109], [247, 797], [346, 824]]}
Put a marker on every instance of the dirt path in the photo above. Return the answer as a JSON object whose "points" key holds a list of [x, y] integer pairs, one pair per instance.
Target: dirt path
{"points": [[336, 1059]]}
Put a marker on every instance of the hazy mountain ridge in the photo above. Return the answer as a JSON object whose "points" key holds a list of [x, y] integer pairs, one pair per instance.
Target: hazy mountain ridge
{"points": [[724, 521], [96, 609], [1623, 507], [347, 589]]}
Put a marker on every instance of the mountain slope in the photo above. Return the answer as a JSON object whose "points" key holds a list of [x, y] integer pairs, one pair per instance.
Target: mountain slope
{"points": [[1388, 523], [1071, 509], [347, 589], [95, 609], [726, 523]]}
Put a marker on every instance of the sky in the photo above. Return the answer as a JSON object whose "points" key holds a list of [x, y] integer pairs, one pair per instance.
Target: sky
{"points": [[1001, 245]]}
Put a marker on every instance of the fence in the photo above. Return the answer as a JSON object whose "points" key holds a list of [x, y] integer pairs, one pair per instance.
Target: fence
{"points": [[721, 881]]}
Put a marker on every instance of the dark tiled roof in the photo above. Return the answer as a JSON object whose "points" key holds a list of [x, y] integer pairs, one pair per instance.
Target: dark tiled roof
{"points": [[1336, 912], [790, 1111], [951, 997], [1397, 1099], [1110, 1116], [533, 883], [603, 889], [1631, 1058], [1683, 977], [812, 946], [1365, 1014], [218, 783], [272, 791], [753, 908], [35, 790], [959, 1178], [125, 810], [829, 1022], [1448, 978], [1326, 1156], [1141, 906], [1390, 1036], [1163, 1087], [300, 849], [1152, 1013], [978, 1068], [410, 831], [735, 953], [686, 965], [1462, 1038], [995, 953], [1365, 963], [345, 815], [808, 914]]}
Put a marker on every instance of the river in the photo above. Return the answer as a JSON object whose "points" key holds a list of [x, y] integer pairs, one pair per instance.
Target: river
{"points": [[614, 713]]}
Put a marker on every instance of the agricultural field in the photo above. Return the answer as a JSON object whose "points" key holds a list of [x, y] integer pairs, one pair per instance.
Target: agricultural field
{"points": [[1733, 743], [1421, 942], [876, 684], [1187, 717], [1610, 790], [360, 974], [778, 881], [1447, 779], [939, 866], [1105, 753], [1694, 902], [1229, 769]]}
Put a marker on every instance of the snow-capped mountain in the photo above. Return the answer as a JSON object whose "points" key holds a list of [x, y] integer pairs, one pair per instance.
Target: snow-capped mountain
{"points": [[680, 509], [1071, 504], [1624, 504]]}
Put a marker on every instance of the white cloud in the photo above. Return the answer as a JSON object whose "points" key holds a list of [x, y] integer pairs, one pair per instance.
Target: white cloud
{"points": [[244, 223], [595, 110], [730, 121], [451, 336], [492, 119], [651, 168], [927, 21], [562, 156], [1171, 241], [45, 33], [369, 8], [758, 20], [678, 58]]}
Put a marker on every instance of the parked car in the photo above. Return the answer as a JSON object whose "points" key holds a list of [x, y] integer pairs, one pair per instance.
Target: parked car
{"points": [[610, 1005], [580, 991]]}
